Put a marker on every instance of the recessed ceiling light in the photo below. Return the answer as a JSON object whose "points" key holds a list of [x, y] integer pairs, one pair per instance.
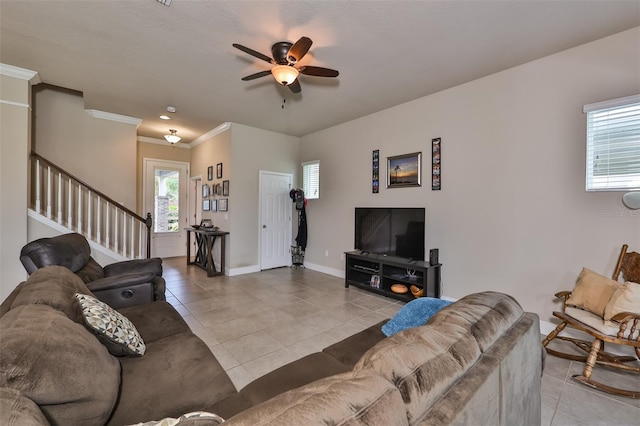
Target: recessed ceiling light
{"points": [[165, 117], [171, 108]]}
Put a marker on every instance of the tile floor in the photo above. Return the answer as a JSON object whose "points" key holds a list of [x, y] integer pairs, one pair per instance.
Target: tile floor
{"points": [[258, 322]]}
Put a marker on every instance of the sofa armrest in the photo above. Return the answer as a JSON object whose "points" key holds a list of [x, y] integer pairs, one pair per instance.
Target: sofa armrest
{"points": [[153, 265], [119, 281]]}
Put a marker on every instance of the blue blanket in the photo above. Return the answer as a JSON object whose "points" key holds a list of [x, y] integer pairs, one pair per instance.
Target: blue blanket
{"points": [[415, 313]]}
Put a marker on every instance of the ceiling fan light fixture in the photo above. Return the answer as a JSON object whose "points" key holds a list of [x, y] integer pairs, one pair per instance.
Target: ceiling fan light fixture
{"points": [[284, 74], [172, 138]]}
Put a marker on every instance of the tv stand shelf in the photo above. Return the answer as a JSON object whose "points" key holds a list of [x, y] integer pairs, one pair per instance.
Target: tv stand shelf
{"points": [[362, 266]]}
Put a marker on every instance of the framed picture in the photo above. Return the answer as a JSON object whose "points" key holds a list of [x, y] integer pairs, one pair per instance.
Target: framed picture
{"points": [[375, 173], [436, 156], [205, 190], [206, 205], [375, 281], [214, 205], [206, 223], [219, 171], [210, 173], [223, 205], [225, 188], [404, 170]]}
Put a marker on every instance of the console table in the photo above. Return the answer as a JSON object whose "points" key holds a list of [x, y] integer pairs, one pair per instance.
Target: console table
{"points": [[205, 239]]}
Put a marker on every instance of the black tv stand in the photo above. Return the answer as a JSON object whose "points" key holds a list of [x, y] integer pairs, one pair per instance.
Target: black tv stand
{"points": [[362, 266]]}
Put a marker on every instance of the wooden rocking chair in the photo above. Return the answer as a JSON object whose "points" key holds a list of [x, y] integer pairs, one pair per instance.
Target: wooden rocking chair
{"points": [[622, 329]]}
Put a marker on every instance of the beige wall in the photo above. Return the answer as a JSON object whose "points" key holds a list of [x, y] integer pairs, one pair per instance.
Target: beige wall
{"points": [[254, 150], [243, 152], [15, 124], [100, 152], [512, 215]]}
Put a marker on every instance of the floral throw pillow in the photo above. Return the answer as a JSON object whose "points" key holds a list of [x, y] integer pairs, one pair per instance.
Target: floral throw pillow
{"points": [[113, 329]]}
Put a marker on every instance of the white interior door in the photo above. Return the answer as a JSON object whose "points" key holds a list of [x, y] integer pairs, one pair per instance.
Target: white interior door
{"points": [[166, 195], [275, 219]]}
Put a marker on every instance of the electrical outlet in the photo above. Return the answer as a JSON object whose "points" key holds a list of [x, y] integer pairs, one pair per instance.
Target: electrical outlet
{"points": [[326, 253], [342, 256]]}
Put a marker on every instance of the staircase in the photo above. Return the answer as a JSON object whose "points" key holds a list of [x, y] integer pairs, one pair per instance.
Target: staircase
{"points": [[68, 202]]}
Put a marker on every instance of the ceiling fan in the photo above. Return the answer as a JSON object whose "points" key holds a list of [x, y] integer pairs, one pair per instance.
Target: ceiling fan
{"points": [[285, 57]]}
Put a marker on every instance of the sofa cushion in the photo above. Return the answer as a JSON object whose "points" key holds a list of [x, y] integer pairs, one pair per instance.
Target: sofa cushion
{"points": [[16, 409], [422, 362], [416, 312], [343, 399], [486, 315], [112, 328], [295, 374], [349, 350], [177, 375], [58, 364], [53, 286], [155, 320], [592, 292]]}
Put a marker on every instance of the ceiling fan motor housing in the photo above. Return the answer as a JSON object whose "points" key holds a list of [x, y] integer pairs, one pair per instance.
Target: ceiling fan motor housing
{"points": [[279, 52]]}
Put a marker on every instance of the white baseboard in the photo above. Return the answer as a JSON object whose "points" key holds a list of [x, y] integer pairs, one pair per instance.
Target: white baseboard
{"points": [[231, 272], [324, 269]]}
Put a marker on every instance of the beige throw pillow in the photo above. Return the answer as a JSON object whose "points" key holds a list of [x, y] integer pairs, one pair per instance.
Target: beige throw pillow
{"points": [[625, 299], [592, 292]]}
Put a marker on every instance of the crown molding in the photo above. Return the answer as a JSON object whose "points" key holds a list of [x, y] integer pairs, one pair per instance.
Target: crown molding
{"points": [[211, 133], [24, 74], [114, 117]]}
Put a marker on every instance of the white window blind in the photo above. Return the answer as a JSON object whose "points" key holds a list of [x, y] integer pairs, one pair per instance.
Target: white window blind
{"points": [[613, 144], [311, 179]]}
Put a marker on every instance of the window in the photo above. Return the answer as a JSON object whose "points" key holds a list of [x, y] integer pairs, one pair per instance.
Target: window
{"points": [[613, 144], [311, 179]]}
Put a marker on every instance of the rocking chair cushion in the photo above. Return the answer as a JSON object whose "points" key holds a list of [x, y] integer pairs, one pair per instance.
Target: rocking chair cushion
{"points": [[592, 292], [609, 328], [625, 299]]}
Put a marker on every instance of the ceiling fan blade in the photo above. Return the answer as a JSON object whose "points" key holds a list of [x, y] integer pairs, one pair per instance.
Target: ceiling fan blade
{"points": [[299, 49], [319, 71], [252, 52], [256, 75], [295, 86]]}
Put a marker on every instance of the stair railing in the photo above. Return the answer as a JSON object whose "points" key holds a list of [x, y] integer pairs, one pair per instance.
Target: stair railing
{"points": [[67, 200]]}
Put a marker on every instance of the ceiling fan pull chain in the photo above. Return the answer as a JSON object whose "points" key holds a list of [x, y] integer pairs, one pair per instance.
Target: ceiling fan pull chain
{"points": [[283, 102]]}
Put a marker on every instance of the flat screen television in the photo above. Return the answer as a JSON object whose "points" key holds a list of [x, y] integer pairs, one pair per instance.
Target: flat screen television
{"points": [[393, 231]]}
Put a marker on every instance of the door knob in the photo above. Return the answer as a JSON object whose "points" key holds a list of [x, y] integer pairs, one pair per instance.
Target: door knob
{"points": [[264, 226]]}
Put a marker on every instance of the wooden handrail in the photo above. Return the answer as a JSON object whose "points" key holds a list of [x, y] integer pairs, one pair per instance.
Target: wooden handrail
{"points": [[92, 189], [146, 221]]}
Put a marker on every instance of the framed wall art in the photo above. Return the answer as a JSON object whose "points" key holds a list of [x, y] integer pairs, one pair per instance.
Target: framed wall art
{"points": [[375, 171], [225, 188], [404, 170], [436, 154], [210, 173], [219, 171], [214, 205], [205, 190], [206, 205], [223, 205]]}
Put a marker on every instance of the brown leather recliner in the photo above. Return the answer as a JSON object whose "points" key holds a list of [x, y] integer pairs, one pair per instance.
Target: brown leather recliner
{"points": [[120, 284]]}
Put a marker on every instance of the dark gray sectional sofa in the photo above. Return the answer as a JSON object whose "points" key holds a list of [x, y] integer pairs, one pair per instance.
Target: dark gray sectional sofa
{"points": [[477, 362]]}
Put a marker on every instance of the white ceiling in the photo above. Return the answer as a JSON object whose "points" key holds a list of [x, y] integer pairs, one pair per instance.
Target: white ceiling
{"points": [[136, 57]]}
